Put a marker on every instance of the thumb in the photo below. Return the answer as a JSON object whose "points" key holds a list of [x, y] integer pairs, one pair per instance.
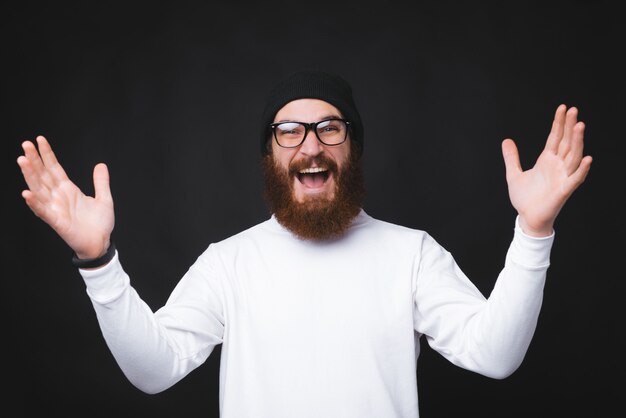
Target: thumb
{"points": [[101, 182], [511, 157]]}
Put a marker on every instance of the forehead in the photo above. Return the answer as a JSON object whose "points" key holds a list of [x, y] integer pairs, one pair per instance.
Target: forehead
{"points": [[306, 110]]}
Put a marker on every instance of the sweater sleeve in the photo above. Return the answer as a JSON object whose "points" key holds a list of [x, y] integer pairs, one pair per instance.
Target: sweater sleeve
{"points": [[490, 335], [157, 349]]}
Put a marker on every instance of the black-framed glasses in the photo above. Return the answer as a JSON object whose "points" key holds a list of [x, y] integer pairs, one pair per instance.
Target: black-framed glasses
{"points": [[332, 131]]}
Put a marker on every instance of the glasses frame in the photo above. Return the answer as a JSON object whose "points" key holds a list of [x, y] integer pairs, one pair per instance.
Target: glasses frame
{"points": [[308, 127]]}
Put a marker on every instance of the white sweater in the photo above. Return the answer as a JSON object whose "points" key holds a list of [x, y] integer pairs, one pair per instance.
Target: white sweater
{"points": [[323, 329]]}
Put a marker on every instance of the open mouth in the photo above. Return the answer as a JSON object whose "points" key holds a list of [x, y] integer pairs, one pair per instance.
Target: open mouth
{"points": [[313, 177]]}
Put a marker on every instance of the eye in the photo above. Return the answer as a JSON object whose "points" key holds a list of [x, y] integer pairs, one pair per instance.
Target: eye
{"points": [[330, 126], [289, 128]]}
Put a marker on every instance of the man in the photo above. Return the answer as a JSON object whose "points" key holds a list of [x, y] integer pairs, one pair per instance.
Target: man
{"points": [[319, 309]]}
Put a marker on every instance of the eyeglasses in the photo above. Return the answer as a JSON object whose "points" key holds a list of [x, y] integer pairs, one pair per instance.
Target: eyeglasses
{"points": [[333, 131]]}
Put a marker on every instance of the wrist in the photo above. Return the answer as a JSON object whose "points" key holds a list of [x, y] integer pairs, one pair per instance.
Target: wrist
{"points": [[86, 263], [539, 231]]}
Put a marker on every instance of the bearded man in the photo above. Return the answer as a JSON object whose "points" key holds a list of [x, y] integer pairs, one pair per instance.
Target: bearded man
{"points": [[313, 177], [321, 308]]}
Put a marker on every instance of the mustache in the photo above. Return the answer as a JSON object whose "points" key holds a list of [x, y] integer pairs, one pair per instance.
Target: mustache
{"points": [[320, 161]]}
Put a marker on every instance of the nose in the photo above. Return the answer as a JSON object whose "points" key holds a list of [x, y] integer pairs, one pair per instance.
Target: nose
{"points": [[311, 145]]}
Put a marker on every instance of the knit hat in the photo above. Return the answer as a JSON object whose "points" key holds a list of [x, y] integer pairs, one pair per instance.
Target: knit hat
{"points": [[312, 84]]}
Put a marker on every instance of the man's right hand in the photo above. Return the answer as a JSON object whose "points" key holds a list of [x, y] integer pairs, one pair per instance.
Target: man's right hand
{"points": [[85, 223]]}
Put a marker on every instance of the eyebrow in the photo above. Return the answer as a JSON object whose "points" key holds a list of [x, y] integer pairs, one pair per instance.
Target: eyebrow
{"points": [[329, 116]]}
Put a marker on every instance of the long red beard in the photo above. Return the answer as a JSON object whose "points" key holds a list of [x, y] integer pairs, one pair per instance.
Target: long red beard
{"points": [[317, 218]]}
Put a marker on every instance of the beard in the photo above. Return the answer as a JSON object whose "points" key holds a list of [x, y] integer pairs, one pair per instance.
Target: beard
{"points": [[317, 218]]}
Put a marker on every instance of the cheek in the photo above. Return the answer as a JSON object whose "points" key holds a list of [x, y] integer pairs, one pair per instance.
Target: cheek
{"points": [[341, 158], [282, 158]]}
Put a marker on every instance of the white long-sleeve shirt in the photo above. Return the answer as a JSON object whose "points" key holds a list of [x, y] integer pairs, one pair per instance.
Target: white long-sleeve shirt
{"points": [[323, 329]]}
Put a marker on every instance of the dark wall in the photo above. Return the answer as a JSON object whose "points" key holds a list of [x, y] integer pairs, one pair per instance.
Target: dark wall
{"points": [[170, 98]]}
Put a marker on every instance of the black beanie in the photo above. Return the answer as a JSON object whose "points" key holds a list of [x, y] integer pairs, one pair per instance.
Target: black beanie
{"points": [[312, 84]]}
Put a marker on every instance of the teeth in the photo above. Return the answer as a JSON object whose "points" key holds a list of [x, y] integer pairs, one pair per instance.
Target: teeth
{"points": [[313, 170]]}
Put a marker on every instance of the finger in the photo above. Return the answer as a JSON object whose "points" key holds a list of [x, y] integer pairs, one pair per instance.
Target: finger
{"points": [[31, 153], [556, 133], [101, 182], [35, 205], [32, 178], [575, 154], [38, 171], [579, 176], [511, 158], [571, 118], [50, 160]]}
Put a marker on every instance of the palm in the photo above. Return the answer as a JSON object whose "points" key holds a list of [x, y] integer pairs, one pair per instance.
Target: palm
{"points": [[538, 194], [70, 212], [85, 223]]}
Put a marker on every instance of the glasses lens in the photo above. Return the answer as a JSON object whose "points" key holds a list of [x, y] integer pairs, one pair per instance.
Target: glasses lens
{"points": [[289, 134], [332, 132]]}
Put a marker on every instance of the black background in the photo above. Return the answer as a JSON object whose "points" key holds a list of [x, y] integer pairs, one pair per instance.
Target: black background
{"points": [[170, 95]]}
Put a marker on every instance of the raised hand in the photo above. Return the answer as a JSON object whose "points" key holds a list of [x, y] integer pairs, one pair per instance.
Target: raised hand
{"points": [[85, 223], [538, 194]]}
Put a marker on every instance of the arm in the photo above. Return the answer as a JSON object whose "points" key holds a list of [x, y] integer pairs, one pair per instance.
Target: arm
{"points": [[491, 335], [154, 350]]}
